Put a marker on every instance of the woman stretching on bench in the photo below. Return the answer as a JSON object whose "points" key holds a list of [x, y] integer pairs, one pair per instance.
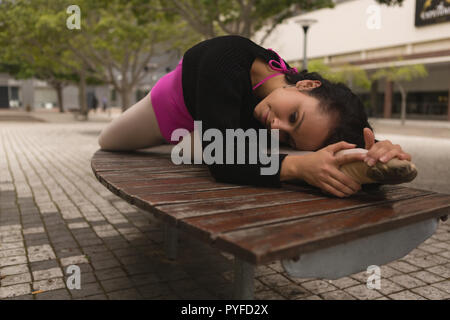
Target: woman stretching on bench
{"points": [[230, 82]]}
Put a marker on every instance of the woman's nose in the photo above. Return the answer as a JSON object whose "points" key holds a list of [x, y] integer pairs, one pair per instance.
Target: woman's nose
{"points": [[278, 124]]}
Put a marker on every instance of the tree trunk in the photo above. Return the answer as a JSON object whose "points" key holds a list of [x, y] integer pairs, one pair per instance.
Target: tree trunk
{"points": [[58, 85], [374, 98], [448, 104], [387, 109], [125, 94], [82, 101], [59, 91], [403, 109]]}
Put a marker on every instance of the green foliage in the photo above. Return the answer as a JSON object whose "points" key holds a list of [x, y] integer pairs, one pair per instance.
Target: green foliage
{"points": [[26, 44], [349, 74], [116, 41], [400, 74]]}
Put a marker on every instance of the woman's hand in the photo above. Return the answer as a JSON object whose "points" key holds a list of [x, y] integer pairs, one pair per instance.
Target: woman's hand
{"points": [[321, 169], [383, 150]]}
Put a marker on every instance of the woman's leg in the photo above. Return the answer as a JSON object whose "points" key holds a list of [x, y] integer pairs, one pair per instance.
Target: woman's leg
{"points": [[136, 128]]}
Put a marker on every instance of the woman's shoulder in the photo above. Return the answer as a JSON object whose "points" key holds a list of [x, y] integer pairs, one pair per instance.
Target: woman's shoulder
{"points": [[227, 54], [229, 38], [222, 44]]}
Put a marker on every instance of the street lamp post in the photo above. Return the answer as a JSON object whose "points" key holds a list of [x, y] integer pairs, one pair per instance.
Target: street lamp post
{"points": [[305, 24]]}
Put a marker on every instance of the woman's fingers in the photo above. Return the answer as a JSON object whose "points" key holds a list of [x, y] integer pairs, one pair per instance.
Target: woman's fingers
{"points": [[340, 187], [385, 151], [337, 183], [389, 155], [339, 146], [346, 184], [377, 151], [349, 158], [404, 156], [369, 138], [331, 190], [382, 151], [337, 180]]}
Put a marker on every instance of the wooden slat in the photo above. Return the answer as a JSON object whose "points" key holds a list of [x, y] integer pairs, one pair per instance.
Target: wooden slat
{"points": [[199, 196], [288, 239], [129, 154], [250, 202], [157, 170], [164, 186], [211, 227], [113, 157], [173, 184], [137, 165], [158, 178]]}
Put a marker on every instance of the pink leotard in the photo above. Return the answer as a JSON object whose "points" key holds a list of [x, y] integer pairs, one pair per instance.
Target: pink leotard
{"points": [[168, 104]]}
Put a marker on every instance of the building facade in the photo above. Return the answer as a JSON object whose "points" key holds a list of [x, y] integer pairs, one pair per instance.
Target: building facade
{"points": [[372, 36]]}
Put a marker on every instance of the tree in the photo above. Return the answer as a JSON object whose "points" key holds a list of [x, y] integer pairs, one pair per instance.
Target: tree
{"points": [[20, 56], [116, 42], [34, 42], [399, 75], [212, 18], [119, 38]]}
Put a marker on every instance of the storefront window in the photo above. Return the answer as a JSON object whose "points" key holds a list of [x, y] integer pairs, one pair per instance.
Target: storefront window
{"points": [[418, 104]]}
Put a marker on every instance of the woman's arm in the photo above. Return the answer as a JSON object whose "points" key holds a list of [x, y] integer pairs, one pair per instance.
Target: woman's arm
{"points": [[321, 169]]}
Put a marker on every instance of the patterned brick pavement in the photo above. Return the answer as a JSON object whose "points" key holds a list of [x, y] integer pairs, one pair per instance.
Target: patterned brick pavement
{"points": [[54, 213]]}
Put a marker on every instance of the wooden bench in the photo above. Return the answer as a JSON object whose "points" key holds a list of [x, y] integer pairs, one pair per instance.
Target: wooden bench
{"points": [[312, 234]]}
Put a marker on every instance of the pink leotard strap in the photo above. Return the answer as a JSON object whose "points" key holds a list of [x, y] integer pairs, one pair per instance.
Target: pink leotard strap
{"points": [[265, 79], [277, 66]]}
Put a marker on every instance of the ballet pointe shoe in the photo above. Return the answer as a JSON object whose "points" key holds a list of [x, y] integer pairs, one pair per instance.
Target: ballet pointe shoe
{"points": [[395, 171]]}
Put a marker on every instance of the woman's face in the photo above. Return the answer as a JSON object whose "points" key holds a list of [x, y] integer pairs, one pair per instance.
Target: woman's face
{"points": [[298, 117]]}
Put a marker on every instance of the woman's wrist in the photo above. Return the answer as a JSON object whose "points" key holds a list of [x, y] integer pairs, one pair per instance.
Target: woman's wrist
{"points": [[290, 168]]}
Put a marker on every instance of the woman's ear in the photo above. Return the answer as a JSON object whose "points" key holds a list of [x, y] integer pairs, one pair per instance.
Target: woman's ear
{"points": [[308, 84]]}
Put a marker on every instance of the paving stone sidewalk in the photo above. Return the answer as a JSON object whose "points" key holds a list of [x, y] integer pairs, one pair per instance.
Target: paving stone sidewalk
{"points": [[54, 214]]}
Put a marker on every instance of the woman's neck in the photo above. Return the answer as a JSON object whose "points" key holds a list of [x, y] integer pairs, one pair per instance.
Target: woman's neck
{"points": [[259, 71]]}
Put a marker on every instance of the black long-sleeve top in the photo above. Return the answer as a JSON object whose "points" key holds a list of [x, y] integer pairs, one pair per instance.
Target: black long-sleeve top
{"points": [[217, 90]]}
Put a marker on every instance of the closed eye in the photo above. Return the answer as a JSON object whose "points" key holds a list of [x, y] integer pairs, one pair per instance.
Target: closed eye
{"points": [[293, 117]]}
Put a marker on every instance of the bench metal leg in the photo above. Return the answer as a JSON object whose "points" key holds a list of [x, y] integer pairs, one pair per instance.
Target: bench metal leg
{"points": [[170, 241], [244, 274]]}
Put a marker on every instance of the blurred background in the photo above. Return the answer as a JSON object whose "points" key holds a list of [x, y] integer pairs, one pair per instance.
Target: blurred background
{"points": [[84, 64], [68, 68], [108, 54]]}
